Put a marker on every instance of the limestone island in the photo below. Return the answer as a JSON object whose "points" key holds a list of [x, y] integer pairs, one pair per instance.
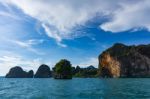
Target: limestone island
{"points": [[118, 61], [125, 61], [62, 70]]}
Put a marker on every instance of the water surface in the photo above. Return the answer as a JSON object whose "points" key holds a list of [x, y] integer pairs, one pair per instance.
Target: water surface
{"points": [[77, 88]]}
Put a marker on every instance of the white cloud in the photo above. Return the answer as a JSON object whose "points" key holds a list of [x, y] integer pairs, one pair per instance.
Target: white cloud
{"points": [[7, 14], [60, 17], [131, 16], [29, 45]]}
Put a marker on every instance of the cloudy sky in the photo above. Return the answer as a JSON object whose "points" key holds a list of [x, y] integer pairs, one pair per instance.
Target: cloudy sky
{"points": [[33, 32]]}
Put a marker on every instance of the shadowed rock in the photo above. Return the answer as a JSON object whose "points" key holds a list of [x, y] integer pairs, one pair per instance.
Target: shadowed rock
{"points": [[18, 72], [43, 72], [30, 74]]}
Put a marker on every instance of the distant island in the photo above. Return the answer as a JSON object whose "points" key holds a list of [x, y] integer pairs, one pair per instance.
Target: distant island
{"points": [[118, 61], [62, 70]]}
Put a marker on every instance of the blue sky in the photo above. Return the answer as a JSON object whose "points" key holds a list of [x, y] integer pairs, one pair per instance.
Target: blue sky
{"points": [[36, 31]]}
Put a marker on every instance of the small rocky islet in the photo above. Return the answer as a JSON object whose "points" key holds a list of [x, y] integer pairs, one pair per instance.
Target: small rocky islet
{"points": [[118, 61], [18, 72]]}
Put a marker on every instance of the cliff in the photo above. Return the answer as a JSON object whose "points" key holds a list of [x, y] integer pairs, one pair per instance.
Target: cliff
{"points": [[125, 61]]}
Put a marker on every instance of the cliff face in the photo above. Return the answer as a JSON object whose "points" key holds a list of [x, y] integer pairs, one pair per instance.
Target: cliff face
{"points": [[125, 61], [109, 66]]}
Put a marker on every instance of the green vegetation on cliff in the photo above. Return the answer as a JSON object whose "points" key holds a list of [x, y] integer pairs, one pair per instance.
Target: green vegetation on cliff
{"points": [[89, 72], [63, 70]]}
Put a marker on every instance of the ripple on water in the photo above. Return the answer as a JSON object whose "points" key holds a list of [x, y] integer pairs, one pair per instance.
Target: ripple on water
{"points": [[74, 89]]}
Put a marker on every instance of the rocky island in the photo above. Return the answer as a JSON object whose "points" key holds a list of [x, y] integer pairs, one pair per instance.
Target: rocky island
{"points": [[117, 61], [125, 61], [63, 70], [18, 72]]}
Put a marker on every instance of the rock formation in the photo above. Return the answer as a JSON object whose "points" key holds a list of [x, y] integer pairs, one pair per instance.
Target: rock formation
{"points": [[30, 74], [18, 72], [43, 72], [63, 70], [125, 61]]}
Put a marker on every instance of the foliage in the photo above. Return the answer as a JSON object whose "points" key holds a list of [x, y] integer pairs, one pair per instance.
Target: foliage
{"points": [[63, 69], [85, 72]]}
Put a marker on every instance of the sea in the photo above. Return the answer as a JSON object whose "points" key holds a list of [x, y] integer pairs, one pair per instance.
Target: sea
{"points": [[77, 88]]}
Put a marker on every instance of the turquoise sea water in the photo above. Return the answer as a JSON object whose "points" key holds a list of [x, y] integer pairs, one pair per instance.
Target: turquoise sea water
{"points": [[77, 88]]}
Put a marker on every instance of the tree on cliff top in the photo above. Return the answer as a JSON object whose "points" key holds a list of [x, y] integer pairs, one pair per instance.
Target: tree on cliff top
{"points": [[63, 69]]}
